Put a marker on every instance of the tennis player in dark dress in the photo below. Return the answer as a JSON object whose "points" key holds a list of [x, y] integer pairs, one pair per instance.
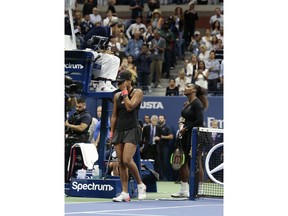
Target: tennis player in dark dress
{"points": [[126, 133], [192, 112]]}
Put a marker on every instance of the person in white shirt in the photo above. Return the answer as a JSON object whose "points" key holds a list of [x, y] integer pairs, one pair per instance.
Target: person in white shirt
{"points": [[207, 39], [135, 27], [188, 69], [181, 81], [218, 16], [95, 17], [109, 19], [201, 75], [204, 53]]}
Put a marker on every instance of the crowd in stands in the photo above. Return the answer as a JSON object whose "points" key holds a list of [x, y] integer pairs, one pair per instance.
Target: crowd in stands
{"points": [[154, 47]]}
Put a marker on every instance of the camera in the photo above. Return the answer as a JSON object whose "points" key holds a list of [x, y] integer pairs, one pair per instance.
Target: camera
{"points": [[72, 87], [71, 120]]}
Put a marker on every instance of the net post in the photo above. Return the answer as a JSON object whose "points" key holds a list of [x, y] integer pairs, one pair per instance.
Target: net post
{"points": [[192, 177]]}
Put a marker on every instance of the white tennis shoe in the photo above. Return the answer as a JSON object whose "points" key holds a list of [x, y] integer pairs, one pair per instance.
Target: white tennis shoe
{"points": [[141, 191], [123, 197], [180, 193]]}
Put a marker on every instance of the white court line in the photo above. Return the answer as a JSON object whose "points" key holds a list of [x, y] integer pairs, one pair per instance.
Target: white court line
{"points": [[141, 209], [125, 214]]}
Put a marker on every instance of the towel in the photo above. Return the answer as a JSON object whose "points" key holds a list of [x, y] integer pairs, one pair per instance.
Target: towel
{"points": [[89, 153]]}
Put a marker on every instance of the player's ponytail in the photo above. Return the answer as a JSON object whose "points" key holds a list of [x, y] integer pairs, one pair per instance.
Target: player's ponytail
{"points": [[201, 95]]}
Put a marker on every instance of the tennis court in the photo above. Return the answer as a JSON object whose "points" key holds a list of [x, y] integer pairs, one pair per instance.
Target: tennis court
{"points": [[156, 204]]}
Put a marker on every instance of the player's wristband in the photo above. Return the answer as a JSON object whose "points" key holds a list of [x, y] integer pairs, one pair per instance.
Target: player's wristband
{"points": [[124, 92]]}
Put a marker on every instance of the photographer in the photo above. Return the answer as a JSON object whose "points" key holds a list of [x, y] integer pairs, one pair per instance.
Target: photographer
{"points": [[77, 127]]}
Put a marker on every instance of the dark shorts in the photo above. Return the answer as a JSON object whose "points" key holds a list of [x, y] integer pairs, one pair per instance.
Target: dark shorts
{"points": [[128, 136]]}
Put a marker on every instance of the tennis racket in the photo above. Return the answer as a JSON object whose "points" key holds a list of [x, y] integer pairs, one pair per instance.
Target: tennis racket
{"points": [[177, 158]]}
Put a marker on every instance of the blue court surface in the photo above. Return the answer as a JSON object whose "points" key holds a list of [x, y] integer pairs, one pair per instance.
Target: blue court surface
{"points": [[199, 207]]}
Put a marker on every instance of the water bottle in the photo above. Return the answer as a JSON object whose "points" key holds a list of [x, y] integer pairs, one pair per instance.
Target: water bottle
{"points": [[96, 172]]}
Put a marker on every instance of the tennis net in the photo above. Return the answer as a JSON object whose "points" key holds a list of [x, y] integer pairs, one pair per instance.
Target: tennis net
{"points": [[208, 153]]}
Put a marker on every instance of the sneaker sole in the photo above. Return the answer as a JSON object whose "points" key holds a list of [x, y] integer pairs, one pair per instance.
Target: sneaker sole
{"points": [[179, 196], [128, 200], [144, 197]]}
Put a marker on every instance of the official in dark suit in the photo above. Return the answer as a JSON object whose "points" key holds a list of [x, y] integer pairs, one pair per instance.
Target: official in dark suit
{"points": [[150, 142]]}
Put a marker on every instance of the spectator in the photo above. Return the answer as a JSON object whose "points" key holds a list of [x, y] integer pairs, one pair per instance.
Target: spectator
{"points": [[196, 41], [201, 75], [181, 81], [204, 53], [111, 7], [207, 38], [157, 48], [143, 62], [137, 8], [123, 41], [213, 66], [135, 27], [134, 46], [88, 7], [128, 65], [221, 88], [156, 20], [191, 67], [86, 26], [172, 89], [68, 33], [219, 51], [95, 17], [148, 35], [188, 69], [215, 29], [131, 64], [92, 129], [214, 42], [220, 35], [97, 132], [164, 143], [77, 21], [124, 64], [218, 16], [114, 46], [109, 18], [179, 24], [168, 35], [190, 17], [152, 5], [174, 29]]}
